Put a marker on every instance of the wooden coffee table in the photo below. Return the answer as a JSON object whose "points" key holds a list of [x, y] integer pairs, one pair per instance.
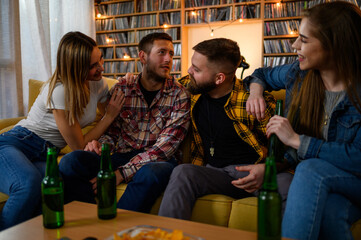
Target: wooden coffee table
{"points": [[81, 221]]}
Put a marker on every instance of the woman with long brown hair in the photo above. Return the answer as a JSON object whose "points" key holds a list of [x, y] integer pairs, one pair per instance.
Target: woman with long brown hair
{"points": [[67, 102], [322, 128]]}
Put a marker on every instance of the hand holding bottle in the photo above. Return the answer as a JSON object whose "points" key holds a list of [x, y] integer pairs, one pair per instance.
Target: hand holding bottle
{"points": [[284, 131]]}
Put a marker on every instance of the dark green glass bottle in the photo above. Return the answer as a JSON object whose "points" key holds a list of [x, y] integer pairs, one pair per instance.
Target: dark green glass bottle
{"points": [[269, 200], [276, 147], [106, 186], [52, 192], [269, 204]]}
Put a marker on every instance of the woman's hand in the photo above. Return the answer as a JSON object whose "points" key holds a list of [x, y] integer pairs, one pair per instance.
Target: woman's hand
{"points": [[115, 104], [284, 131]]}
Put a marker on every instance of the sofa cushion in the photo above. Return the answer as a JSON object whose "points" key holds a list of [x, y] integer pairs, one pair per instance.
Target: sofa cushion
{"points": [[3, 198], [244, 214], [213, 209]]}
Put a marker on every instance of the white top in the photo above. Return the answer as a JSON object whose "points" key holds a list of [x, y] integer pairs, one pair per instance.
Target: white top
{"points": [[40, 119]]}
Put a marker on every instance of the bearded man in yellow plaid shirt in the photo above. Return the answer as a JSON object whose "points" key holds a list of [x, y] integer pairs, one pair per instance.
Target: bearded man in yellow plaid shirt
{"points": [[228, 145]]}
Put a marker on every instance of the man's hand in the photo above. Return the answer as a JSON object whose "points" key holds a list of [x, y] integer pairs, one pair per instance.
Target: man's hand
{"points": [[253, 181], [118, 180], [94, 146], [256, 105]]}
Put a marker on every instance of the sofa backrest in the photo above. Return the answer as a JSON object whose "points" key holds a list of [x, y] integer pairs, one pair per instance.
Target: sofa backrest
{"points": [[35, 87]]}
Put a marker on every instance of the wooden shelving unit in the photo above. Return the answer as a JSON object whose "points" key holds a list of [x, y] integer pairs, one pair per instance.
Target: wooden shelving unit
{"points": [[124, 22]]}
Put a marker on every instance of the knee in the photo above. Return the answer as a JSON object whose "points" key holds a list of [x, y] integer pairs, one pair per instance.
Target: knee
{"points": [[185, 172], [155, 172], [71, 161], [29, 185], [309, 167]]}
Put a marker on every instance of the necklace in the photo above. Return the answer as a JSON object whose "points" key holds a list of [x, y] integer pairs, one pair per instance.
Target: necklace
{"points": [[328, 112], [212, 134]]}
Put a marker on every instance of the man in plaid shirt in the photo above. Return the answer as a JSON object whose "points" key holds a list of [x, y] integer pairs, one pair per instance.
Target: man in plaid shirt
{"points": [[228, 145], [144, 138]]}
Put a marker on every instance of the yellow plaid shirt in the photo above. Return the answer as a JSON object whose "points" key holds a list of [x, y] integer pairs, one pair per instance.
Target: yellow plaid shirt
{"points": [[249, 129]]}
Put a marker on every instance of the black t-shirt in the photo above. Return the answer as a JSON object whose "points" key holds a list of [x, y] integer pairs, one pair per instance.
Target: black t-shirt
{"points": [[148, 95], [217, 131]]}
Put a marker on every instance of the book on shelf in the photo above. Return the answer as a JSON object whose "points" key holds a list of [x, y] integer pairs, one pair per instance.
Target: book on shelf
{"points": [[119, 67], [200, 3], [281, 27], [119, 8], [147, 5], [177, 49], [121, 23], [275, 61], [140, 21], [173, 18], [221, 14], [115, 38], [173, 32], [198, 16], [104, 24], [287, 9], [129, 51], [176, 65], [248, 11], [107, 52], [169, 4], [278, 46]]}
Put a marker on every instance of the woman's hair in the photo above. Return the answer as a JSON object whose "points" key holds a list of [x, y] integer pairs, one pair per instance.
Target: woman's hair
{"points": [[337, 25], [72, 69]]}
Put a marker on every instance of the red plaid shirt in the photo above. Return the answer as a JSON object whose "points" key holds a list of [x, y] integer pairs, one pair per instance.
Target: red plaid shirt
{"points": [[158, 129]]}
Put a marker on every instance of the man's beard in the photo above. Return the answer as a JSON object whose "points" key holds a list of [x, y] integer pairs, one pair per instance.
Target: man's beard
{"points": [[195, 89], [152, 74]]}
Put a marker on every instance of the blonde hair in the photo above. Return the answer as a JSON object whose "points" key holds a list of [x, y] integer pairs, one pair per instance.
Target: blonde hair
{"points": [[72, 69], [337, 26]]}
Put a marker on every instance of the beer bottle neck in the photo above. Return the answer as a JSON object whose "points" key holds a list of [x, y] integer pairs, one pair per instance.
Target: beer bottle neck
{"points": [[52, 169], [105, 163], [270, 177]]}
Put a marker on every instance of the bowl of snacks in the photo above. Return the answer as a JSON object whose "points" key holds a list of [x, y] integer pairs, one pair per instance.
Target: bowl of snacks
{"points": [[146, 232]]}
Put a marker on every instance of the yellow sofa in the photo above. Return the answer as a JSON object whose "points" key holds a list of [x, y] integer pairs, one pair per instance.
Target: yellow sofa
{"points": [[213, 209]]}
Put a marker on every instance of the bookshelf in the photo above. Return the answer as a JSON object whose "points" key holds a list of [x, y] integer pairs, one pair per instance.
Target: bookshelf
{"points": [[124, 22]]}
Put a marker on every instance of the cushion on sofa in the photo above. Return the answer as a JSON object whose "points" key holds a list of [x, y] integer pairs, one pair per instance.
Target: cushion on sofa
{"points": [[3, 198], [244, 214]]}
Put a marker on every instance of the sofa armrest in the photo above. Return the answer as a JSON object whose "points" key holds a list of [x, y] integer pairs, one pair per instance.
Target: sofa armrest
{"points": [[7, 123]]}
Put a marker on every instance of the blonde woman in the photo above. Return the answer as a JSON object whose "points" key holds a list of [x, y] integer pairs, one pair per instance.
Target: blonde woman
{"points": [[68, 102]]}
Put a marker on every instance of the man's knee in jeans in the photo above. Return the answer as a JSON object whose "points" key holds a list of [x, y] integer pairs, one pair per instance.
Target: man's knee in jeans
{"points": [[155, 172]]}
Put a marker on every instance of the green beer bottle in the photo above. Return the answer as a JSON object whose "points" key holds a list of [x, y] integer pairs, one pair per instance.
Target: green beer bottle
{"points": [[106, 186], [269, 200], [276, 147], [269, 204], [52, 192]]}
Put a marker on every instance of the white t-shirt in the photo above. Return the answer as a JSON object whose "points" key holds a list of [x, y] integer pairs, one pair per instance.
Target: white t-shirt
{"points": [[40, 119]]}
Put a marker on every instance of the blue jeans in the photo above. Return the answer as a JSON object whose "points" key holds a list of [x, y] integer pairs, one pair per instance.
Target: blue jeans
{"points": [[78, 167], [22, 161], [323, 202]]}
